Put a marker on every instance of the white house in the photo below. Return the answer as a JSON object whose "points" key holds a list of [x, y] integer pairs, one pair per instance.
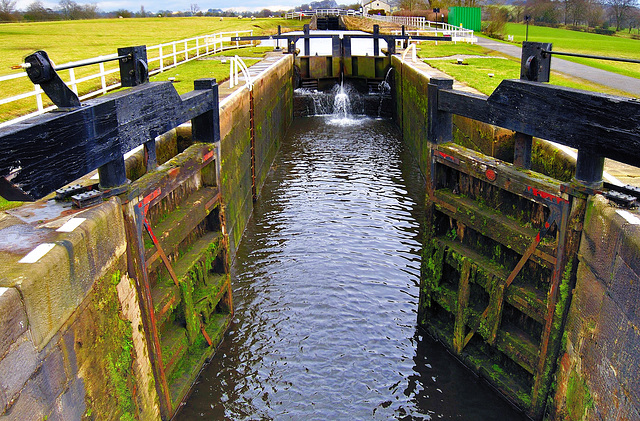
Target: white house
{"points": [[376, 5]]}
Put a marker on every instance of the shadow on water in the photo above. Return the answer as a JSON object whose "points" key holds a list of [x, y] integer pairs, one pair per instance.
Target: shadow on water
{"points": [[326, 293]]}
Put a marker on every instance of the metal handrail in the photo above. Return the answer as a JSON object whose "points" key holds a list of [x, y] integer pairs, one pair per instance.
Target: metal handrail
{"points": [[235, 63], [412, 48]]}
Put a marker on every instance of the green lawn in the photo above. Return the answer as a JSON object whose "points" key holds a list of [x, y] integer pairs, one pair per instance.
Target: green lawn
{"points": [[475, 72], [584, 43], [186, 73], [81, 39], [246, 52], [76, 40], [446, 49], [5, 204]]}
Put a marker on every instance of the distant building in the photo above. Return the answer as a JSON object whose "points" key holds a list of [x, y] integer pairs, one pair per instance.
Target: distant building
{"points": [[376, 5]]}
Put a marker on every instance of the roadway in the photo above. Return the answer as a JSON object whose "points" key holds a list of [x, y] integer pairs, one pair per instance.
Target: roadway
{"points": [[602, 77]]}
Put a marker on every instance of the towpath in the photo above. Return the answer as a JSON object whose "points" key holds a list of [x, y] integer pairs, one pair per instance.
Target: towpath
{"points": [[612, 80]]}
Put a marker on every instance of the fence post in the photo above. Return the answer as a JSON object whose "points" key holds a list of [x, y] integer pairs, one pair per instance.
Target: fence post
{"points": [[72, 81], [38, 97], [404, 41], [103, 79], [376, 40], [535, 65], [522, 150], [113, 174], [161, 58], [231, 72], [307, 41], [134, 69], [175, 54], [439, 125]]}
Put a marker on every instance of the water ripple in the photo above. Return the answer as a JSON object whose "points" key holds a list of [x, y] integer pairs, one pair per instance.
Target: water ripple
{"points": [[326, 293]]}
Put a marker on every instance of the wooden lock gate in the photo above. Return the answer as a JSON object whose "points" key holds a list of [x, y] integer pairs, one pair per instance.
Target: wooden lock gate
{"points": [[500, 253], [183, 260], [497, 265], [177, 252]]}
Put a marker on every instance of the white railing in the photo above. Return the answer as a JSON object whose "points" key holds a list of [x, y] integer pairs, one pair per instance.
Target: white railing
{"points": [[160, 58], [237, 65], [457, 34], [413, 21], [427, 27], [322, 12]]}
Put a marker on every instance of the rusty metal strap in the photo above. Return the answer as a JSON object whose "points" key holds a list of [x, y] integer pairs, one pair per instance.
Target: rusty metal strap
{"points": [[554, 218], [164, 257]]}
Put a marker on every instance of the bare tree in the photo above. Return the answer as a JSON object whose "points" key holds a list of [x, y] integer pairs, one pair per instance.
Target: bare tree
{"points": [[69, 8], [620, 9], [194, 9], [36, 11], [634, 19], [413, 4], [517, 12], [545, 11], [7, 7]]}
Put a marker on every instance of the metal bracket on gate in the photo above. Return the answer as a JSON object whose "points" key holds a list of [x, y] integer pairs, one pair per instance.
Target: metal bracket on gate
{"points": [[554, 218], [144, 206]]}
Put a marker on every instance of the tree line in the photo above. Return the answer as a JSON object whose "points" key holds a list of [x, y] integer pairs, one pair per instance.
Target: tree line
{"points": [[601, 15], [36, 11]]}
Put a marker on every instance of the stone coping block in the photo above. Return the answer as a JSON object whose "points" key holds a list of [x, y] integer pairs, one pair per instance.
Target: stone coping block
{"points": [[66, 254]]}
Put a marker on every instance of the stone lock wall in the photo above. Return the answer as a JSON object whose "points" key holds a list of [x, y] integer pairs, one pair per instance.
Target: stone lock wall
{"points": [[273, 113], [72, 340], [598, 376], [73, 344]]}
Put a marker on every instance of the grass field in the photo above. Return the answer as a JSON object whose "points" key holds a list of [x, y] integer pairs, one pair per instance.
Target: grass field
{"points": [[186, 73], [80, 39], [77, 40], [584, 43], [475, 72]]}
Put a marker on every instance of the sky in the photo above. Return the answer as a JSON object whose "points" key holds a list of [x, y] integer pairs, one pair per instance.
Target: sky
{"points": [[176, 5]]}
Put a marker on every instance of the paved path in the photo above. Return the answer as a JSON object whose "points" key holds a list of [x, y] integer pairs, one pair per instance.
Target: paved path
{"points": [[612, 80]]}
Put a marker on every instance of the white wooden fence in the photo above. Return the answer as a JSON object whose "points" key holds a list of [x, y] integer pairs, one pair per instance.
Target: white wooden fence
{"points": [[426, 27], [457, 35], [160, 57], [409, 21]]}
